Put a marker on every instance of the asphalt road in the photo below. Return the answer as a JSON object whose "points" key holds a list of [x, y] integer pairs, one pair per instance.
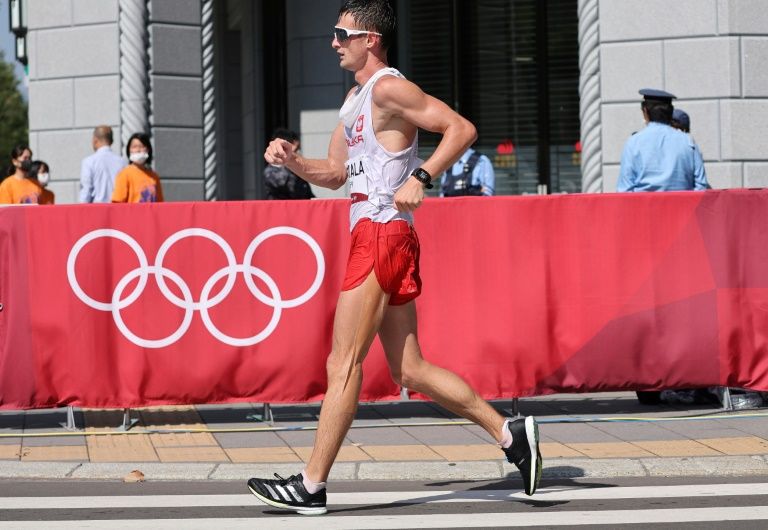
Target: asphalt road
{"points": [[700, 503]]}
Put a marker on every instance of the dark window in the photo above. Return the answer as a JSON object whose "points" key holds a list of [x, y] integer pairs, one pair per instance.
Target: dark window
{"points": [[511, 67]]}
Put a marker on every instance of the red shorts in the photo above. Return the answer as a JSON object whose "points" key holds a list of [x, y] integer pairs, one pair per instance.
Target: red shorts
{"points": [[391, 250]]}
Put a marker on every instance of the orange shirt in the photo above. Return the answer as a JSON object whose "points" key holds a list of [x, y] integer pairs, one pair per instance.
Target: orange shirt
{"points": [[46, 197], [134, 184], [19, 191]]}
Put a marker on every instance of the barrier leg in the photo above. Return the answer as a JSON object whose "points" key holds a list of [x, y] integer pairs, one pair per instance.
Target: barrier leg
{"points": [[516, 407], [70, 425], [727, 403], [404, 394], [128, 422]]}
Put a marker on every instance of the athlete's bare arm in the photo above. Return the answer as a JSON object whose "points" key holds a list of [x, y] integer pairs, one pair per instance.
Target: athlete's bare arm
{"points": [[402, 107], [328, 173]]}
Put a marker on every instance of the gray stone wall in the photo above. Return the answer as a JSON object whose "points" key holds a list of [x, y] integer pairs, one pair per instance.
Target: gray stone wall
{"points": [[74, 85], [713, 55], [176, 96]]}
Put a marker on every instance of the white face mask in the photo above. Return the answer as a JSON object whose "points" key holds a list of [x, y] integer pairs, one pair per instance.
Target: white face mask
{"points": [[43, 179], [139, 157]]}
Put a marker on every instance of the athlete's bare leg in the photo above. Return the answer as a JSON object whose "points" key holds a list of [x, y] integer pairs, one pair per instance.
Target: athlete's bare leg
{"points": [[409, 369], [358, 315]]}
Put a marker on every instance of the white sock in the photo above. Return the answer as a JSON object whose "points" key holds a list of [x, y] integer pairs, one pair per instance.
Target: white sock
{"points": [[506, 436], [311, 487]]}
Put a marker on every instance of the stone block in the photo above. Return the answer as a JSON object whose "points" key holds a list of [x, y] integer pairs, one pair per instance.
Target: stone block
{"points": [[325, 97], [94, 11], [178, 190], [755, 56], [688, 76], [742, 16], [64, 150], [176, 50], [177, 101], [78, 51], [610, 178], [744, 129], [756, 175], [31, 54], [66, 191], [705, 125], [724, 175], [97, 101], [627, 67], [622, 20], [176, 11], [178, 152], [50, 104], [619, 122], [46, 14]]}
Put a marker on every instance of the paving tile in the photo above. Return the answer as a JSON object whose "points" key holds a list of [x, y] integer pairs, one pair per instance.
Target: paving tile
{"points": [[248, 439], [192, 454], [55, 453], [610, 450], [11, 440], [121, 448], [262, 454], [297, 438], [347, 453], [750, 426], [633, 431], [381, 436], [442, 435], [697, 429], [558, 450], [748, 445], [677, 448], [229, 416], [459, 453], [186, 439], [10, 451], [568, 433], [40, 441], [480, 433], [394, 453]]}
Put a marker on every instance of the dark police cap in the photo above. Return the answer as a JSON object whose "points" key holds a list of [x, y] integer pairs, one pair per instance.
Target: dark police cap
{"points": [[654, 94], [681, 117]]}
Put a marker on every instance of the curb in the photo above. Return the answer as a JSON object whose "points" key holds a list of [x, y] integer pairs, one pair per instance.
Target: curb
{"points": [[480, 470]]}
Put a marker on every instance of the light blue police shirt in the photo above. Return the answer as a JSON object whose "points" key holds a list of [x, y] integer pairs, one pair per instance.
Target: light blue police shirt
{"points": [[482, 175], [661, 158]]}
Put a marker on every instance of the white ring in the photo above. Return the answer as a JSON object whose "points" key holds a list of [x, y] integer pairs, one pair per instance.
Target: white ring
{"points": [[147, 343], [314, 247], [96, 234], [249, 341]]}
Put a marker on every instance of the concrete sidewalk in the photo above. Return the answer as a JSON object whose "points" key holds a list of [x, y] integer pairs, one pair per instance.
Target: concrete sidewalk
{"points": [[402, 440]]}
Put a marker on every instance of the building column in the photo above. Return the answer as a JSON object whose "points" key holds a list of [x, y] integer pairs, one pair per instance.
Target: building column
{"points": [[589, 94]]}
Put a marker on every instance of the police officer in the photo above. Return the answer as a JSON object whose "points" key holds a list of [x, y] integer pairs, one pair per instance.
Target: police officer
{"points": [[659, 157]]}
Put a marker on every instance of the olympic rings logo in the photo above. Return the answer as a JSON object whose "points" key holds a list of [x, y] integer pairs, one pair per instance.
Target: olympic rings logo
{"points": [[207, 300]]}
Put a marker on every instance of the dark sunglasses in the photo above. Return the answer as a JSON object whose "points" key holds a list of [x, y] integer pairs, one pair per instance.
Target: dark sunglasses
{"points": [[343, 34]]}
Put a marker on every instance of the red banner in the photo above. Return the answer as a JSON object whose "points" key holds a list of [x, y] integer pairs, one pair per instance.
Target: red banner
{"points": [[136, 305]]}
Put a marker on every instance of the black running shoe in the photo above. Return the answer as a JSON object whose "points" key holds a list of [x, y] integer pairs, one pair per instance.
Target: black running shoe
{"points": [[524, 451], [289, 494]]}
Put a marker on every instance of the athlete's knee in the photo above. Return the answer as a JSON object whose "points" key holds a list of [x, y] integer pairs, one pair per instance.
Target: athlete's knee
{"points": [[409, 374], [341, 363]]}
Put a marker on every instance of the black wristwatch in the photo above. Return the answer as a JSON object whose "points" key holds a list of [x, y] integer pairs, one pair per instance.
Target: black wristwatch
{"points": [[423, 176]]}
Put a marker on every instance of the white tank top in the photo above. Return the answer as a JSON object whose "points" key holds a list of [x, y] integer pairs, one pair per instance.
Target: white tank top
{"points": [[374, 173]]}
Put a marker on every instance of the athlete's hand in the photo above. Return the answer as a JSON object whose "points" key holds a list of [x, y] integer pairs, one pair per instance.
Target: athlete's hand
{"points": [[409, 196], [279, 152]]}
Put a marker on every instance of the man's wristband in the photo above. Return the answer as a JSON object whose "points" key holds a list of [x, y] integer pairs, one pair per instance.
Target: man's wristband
{"points": [[423, 176]]}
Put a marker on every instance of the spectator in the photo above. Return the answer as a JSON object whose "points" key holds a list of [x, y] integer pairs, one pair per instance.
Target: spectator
{"points": [[98, 171], [472, 174], [279, 181], [660, 158], [41, 173], [137, 182], [18, 188]]}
